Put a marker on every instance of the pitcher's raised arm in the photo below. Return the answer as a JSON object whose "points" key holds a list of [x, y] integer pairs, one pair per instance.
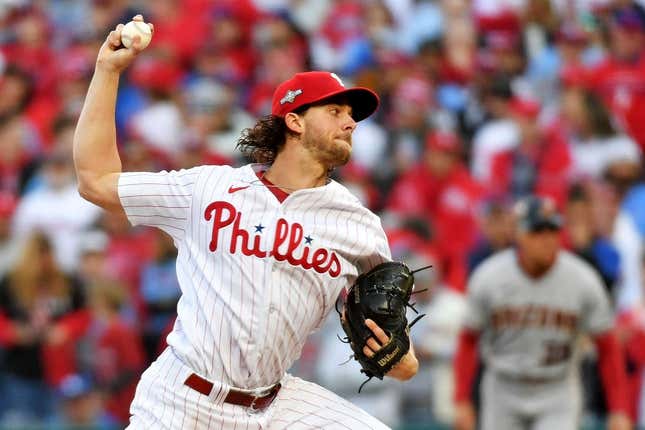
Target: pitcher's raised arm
{"points": [[96, 157]]}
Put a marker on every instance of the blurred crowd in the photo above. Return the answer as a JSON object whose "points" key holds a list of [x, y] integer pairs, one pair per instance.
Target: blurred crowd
{"points": [[482, 102]]}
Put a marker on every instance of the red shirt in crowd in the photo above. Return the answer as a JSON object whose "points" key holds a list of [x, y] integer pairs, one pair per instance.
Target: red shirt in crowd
{"points": [[126, 254], [551, 160], [118, 356], [621, 85], [449, 204]]}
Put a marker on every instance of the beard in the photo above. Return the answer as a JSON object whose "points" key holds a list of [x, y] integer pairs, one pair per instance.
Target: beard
{"points": [[327, 151]]}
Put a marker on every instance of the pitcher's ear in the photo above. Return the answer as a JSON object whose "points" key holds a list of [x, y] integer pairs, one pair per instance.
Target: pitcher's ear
{"points": [[294, 122]]}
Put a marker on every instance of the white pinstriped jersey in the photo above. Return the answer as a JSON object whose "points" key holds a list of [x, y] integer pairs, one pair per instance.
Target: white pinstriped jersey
{"points": [[257, 276]]}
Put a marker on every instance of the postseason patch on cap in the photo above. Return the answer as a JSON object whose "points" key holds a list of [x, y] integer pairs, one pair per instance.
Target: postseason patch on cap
{"points": [[290, 96]]}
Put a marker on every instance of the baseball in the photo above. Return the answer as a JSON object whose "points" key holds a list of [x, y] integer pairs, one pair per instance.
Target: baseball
{"points": [[134, 28]]}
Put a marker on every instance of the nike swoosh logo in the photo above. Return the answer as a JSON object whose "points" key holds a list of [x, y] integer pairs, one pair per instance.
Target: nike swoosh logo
{"points": [[233, 189]]}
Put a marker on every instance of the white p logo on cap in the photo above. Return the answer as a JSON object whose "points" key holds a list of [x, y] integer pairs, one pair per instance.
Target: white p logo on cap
{"points": [[335, 76]]}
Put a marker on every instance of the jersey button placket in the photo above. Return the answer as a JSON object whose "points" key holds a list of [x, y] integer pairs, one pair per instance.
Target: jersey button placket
{"points": [[271, 269], [275, 270]]}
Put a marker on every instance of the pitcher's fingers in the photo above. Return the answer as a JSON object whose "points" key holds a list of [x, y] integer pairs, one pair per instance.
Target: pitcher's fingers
{"points": [[137, 44], [368, 352], [378, 332], [373, 344], [114, 39]]}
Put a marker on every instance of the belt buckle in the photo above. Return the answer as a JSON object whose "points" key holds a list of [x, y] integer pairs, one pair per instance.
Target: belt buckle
{"points": [[252, 409], [256, 395], [270, 396], [252, 405]]}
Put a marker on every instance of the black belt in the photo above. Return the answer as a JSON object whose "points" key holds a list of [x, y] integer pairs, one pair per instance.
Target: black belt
{"points": [[234, 396]]}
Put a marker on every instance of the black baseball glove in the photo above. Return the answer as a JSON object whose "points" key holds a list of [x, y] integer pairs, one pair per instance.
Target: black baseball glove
{"points": [[382, 295]]}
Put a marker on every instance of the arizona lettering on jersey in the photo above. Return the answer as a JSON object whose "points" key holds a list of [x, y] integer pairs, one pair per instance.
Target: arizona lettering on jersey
{"points": [[257, 276], [528, 325], [526, 316]]}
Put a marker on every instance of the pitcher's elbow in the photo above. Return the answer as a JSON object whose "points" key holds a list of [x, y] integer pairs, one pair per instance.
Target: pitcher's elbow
{"points": [[90, 192], [84, 190]]}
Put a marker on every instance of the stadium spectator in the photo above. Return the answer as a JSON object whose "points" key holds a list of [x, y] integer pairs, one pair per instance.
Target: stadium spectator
{"points": [[112, 351], [160, 291], [618, 79], [539, 164], [594, 142], [581, 236], [213, 119], [127, 252], [9, 246], [41, 314], [67, 213], [19, 146], [496, 231], [441, 190], [81, 406]]}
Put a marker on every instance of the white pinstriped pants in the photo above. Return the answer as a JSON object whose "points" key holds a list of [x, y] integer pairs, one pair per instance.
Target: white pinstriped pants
{"points": [[162, 401]]}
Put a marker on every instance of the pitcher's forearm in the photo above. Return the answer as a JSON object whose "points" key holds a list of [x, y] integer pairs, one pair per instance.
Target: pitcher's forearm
{"points": [[95, 149]]}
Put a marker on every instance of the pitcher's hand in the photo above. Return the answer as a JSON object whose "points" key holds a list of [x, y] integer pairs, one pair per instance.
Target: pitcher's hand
{"points": [[404, 369], [114, 57]]}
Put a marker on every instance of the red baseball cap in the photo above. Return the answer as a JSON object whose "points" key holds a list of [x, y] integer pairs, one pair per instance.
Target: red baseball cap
{"points": [[502, 41], [525, 107], [443, 141], [311, 87], [572, 33]]}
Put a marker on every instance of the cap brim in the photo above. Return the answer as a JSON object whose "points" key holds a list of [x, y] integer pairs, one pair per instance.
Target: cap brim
{"points": [[554, 223], [363, 101]]}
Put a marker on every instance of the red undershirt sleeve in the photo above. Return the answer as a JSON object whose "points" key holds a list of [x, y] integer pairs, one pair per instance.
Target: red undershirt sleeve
{"points": [[612, 371], [465, 365]]}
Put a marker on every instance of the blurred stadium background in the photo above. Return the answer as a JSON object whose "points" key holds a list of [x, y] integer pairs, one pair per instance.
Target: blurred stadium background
{"points": [[483, 101]]}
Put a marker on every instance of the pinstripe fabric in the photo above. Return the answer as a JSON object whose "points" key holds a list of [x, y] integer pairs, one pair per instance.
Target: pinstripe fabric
{"points": [[257, 276], [164, 402], [304, 405]]}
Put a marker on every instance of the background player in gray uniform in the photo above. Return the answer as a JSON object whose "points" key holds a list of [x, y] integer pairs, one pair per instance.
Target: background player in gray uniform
{"points": [[527, 308]]}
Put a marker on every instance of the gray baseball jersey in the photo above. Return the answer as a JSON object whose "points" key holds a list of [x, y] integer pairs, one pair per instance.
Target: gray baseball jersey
{"points": [[529, 326]]}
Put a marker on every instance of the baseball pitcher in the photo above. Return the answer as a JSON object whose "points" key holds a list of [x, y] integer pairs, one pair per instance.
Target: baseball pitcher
{"points": [[263, 253]]}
